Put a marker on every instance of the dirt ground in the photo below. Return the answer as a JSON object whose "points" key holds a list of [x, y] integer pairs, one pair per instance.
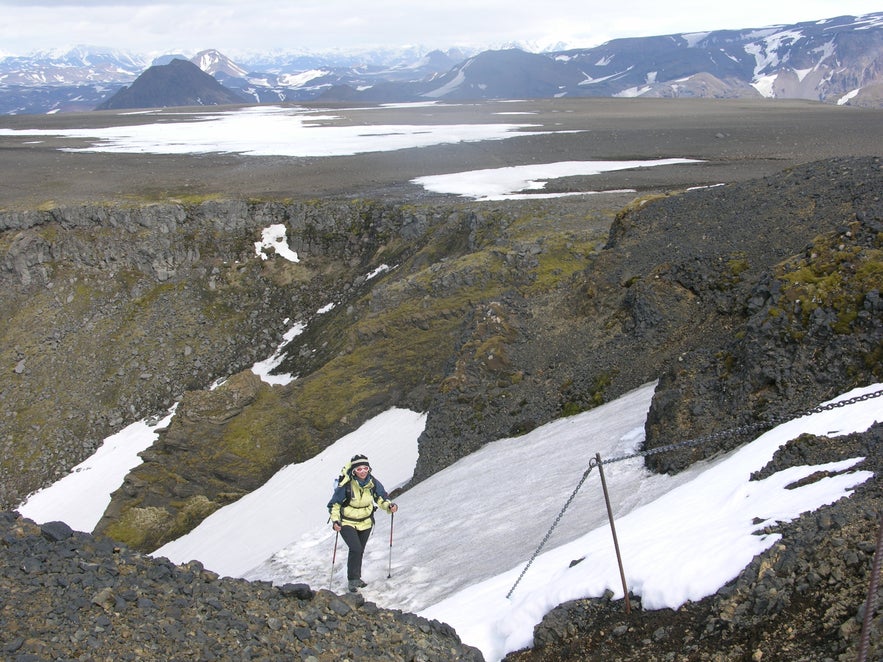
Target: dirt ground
{"points": [[736, 139]]}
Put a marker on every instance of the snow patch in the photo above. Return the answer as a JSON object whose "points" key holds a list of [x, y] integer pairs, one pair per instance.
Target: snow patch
{"points": [[632, 92], [503, 183], [263, 368], [846, 97], [765, 85], [302, 78], [694, 38], [457, 81], [270, 131], [273, 237]]}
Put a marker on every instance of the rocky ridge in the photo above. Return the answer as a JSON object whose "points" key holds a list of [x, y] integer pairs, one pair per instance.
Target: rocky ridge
{"points": [[67, 596], [699, 279]]}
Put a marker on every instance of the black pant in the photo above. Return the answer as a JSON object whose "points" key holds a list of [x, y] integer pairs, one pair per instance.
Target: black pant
{"points": [[356, 541]]}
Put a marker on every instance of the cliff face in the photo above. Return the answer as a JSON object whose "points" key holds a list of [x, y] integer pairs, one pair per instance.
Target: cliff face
{"points": [[111, 314]]}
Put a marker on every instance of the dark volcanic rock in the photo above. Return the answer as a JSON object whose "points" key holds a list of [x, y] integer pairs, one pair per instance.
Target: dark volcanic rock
{"points": [[687, 291], [178, 83], [79, 597], [795, 283]]}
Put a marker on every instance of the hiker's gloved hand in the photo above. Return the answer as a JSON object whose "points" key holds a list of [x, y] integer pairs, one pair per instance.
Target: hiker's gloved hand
{"points": [[393, 507], [335, 526]]}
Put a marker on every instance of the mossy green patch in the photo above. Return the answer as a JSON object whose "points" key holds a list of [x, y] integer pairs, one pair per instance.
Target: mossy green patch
{"points": [[190, 513], [837, 275], [405, 346], [579, 398], [253, 441], [137, 527], [180, 196], [559, 260]]}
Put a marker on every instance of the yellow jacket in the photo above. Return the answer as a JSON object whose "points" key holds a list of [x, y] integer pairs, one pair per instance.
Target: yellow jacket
{"points": [[354, 502]]}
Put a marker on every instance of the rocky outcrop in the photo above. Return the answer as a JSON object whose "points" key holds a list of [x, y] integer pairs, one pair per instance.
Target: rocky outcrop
{"points": [[68, 596], [801, 324], [681, 293]]}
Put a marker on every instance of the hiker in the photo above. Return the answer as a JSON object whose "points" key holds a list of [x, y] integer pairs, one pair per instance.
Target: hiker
{"points": [[352, 506]]}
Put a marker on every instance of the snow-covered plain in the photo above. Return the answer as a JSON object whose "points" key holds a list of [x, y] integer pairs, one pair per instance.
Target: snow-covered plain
{"points": [[270, 131], [297, 132], [462, 537]]}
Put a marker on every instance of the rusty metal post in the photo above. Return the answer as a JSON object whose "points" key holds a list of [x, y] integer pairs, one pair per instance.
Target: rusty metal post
{"points": [[625, 588], [871, 603]]}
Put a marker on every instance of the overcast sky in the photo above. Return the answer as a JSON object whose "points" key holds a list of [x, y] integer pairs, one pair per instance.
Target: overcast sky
{"points": [[235, 27]]}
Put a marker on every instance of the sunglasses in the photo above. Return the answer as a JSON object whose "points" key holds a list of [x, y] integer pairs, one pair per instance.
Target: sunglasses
{"points": [[362, 468]]}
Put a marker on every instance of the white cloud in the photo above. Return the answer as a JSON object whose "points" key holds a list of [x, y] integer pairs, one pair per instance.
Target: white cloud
{"points": [[235, 27]]}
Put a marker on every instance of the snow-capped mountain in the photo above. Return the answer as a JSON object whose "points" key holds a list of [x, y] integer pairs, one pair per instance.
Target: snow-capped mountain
{"points": [[217, 64], [75, 80], [823, 60], [309, 77], [836, 60], [78, 66]]}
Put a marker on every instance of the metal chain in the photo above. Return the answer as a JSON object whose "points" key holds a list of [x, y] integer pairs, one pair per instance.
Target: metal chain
{"points": [[830, 406], [743, 429], [548, 535], [732, 432]]}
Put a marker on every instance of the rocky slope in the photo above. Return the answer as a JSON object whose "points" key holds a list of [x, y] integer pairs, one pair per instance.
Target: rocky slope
{"points": [[750, 301], [804, 325], [70, 596], [690, 289], [781, 281]]}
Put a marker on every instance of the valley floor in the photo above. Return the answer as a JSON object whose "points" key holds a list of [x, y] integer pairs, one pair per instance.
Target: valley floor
{"points": [[736, 140]]}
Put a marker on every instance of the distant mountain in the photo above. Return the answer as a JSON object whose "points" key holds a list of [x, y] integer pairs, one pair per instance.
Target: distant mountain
{"points": [[832, 60], [178, 83], [167, 58], [304, 78], [79, 66], [217, 64], [72, 81], [837, 60]]}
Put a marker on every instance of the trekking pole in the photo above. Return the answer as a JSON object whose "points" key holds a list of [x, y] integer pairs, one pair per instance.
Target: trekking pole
{"points": [[392, 519], [333, 557]]}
